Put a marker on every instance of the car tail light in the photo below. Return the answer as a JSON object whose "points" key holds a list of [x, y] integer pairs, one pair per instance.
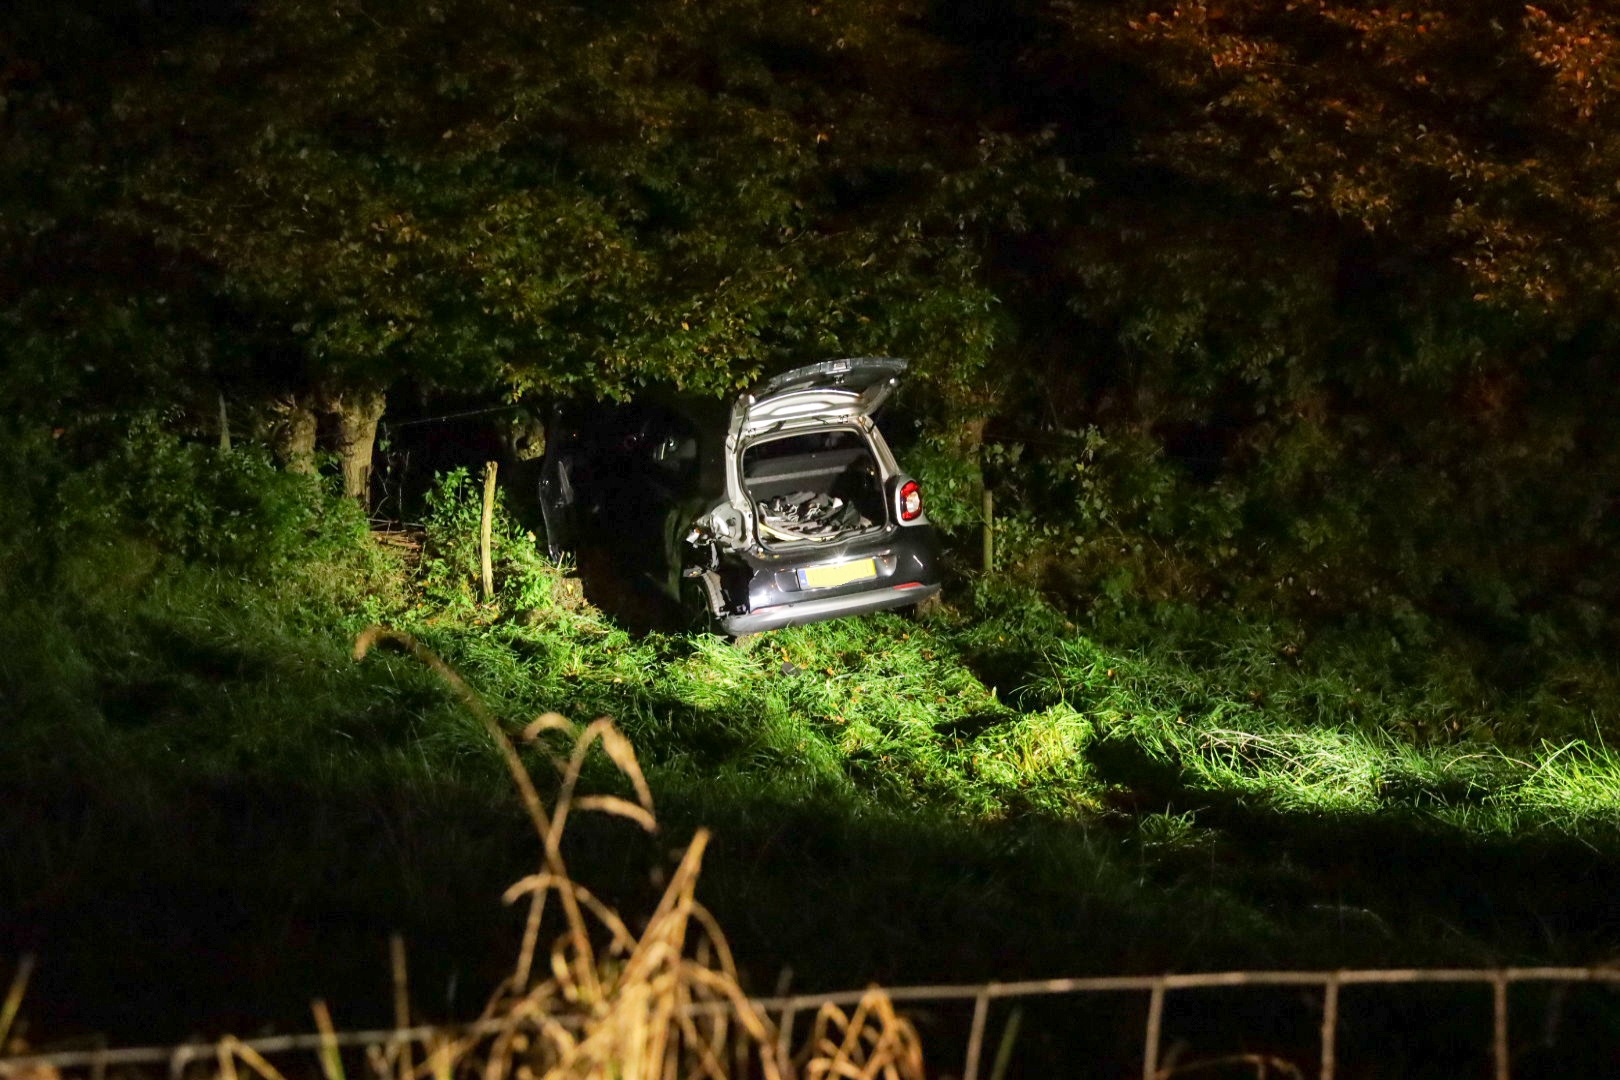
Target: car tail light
{"points": [[910, 501]]}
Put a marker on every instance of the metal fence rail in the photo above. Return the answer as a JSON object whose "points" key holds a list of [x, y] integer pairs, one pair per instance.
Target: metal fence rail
{"points": [[789, 1007]]}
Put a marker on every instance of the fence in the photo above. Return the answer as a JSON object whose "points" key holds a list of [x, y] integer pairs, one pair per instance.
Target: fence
{"points": [[788, 1008]]}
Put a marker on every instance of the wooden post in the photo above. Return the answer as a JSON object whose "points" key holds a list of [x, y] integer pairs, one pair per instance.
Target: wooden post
{"points": [[1155, 1034], [989, 531], [485, 527], [224, 426], [402, 1004], [975, 1050], [1499, 1040], [1330, 1029]]}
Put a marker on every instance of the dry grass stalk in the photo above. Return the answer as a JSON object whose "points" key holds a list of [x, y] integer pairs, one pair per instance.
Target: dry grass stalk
{"points": [[663, 1005], [230, 1048], [873, 1041], [331, 1059], [601, 1003], [13, 1000]]}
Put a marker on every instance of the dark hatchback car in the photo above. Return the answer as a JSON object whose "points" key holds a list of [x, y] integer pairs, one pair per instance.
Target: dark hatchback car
{"points": [[788, 509]]}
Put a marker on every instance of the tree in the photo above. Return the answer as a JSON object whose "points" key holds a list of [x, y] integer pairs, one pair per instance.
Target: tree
{"points": [[547, 199], [1329, 331], [1476, 133]]}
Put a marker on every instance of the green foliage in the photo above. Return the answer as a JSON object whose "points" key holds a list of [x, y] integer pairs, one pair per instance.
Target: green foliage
{"points": [[450, 572], [1192, 782], [482, 194], [1297, 530], [950, 481], [233, 509], [1233, 392], [1198, 390]]}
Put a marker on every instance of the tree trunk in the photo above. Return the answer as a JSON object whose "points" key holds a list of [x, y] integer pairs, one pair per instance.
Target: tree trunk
{"points": [[970, 441], [292, 434], [357, 411]]}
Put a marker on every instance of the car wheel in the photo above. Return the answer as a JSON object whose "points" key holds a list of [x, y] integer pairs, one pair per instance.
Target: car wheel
{"points": [[925, 610], [696, 611]]}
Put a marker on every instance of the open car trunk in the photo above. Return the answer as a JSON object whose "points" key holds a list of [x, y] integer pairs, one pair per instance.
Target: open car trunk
{"points": [[813, 488]]}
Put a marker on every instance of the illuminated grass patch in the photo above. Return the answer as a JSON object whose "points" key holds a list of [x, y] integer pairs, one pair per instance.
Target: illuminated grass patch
{"points": [[993, 793], [904, 714]]}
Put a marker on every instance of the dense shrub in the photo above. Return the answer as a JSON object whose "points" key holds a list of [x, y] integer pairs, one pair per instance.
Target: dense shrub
{"points": [[450, 572], [228, 508]]}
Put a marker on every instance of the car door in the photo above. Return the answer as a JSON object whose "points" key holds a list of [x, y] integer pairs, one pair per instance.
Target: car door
{"points": [[559, 498]]}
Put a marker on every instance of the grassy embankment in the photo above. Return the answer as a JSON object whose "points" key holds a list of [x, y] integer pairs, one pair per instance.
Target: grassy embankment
{"points": [[212, 814]]}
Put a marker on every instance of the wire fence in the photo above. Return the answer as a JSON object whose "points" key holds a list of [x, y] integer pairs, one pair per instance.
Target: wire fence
{"points": [[788, 1009]]}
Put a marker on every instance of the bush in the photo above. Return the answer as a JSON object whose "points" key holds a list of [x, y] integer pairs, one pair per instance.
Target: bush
{"points": [[949, 479], [232, 509], [450, 572]]}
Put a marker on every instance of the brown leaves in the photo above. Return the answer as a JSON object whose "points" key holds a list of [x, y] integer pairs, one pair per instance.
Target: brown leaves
{"points": [[1583, 52], [1484, 141]]}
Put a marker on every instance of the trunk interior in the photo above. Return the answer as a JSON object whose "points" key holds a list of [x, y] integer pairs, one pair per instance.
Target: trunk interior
{"points": [[813, 488]]}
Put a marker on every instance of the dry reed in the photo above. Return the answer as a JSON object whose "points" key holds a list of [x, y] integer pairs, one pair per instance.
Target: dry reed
{"points": [[598, 1002]]}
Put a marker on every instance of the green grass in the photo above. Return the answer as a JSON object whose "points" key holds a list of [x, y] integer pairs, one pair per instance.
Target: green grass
{"points": [[211, 813]]}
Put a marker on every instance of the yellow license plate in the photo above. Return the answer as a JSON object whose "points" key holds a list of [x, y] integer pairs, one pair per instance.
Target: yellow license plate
{"points": [[825, 577]]}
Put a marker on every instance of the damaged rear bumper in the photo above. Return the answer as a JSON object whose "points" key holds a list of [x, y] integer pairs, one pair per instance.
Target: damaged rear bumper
{"points": [[827, 607]]}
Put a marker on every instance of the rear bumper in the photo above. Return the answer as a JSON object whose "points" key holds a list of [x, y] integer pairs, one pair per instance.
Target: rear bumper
{"points": [[828, 607]]}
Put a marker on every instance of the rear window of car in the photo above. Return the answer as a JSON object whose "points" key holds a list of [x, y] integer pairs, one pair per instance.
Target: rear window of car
{"points": [[796, 445]]}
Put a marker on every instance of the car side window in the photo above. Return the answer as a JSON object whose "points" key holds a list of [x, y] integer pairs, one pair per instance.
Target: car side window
{"points": [[671, 444]]}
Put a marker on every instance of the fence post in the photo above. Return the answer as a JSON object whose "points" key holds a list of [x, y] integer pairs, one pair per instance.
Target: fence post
{"points": [[988, 555], [485, 525], [975, 1049], [179, 1060], [1499, 1047], [402, 1003], [1155, 1022], [1330, 1026]]}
